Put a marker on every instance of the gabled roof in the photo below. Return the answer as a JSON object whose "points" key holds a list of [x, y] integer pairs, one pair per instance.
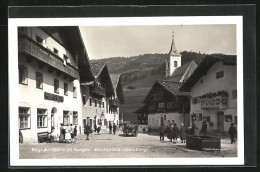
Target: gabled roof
{"points": [[97, 68], [171, 87], [204, 66], [115, 79], [143, 108], [173, 50]]}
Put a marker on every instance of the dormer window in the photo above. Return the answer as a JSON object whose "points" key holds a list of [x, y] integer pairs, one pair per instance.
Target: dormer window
{"points": [[55, 51], [175, 64]]}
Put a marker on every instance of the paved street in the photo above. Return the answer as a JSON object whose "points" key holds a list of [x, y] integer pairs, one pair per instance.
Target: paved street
{"points": [[119, 146]]}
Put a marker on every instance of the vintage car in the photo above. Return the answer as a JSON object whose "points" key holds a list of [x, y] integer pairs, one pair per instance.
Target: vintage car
{"points": [[130, 129]]}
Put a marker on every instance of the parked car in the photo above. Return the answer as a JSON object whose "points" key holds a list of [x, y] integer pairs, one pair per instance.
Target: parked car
{"points": [[130, 129]]}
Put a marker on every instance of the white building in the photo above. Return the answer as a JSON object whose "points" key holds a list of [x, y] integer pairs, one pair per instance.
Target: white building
{"points": [[49, 79], [213, 89]]}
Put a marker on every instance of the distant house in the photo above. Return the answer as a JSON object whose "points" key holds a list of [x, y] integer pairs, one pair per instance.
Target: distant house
{"points": [[116, 99], [142, 118], [213, 90], [167, 105], [95, 97]]}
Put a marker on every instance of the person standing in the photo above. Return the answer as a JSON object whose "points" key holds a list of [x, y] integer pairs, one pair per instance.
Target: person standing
{"points": [[75, 132], [88, 131], [161, 131], [232, 132], [95, 127], [182, 133], [175, 133], [62, 133], [110, 128], [114, 128], [71, 133], [98, 129], [204, 128], [67, 134]]}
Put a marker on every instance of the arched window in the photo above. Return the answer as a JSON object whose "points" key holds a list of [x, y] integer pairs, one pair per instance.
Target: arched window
{"points": [[175, 64]]}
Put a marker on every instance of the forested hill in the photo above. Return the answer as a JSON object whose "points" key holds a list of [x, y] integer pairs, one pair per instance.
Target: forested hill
{"points": [[142, 67]]}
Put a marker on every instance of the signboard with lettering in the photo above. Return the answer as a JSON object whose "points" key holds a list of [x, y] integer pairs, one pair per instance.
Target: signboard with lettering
{"points": [[49, 96]]}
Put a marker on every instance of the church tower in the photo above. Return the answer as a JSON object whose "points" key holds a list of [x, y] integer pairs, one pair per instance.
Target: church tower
{"points": [[174, 59]]}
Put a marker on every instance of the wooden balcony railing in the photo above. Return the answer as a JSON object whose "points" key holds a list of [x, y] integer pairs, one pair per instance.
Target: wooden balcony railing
{"points": [[217, 102], [98, 90], [30, 47], [114, 103]]}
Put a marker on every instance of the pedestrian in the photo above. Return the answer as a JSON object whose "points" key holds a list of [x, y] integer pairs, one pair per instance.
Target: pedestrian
{"points": [[161, 131], [98, 129], [114, 128], [20, 136], [75, 132], [182, 133], [62, 133], [189, 130], [175, 133], [88, 131], [110, 128], [232, 132], [67, 134], [71, 133], [95, 127], [204, 128], [170, 134]]}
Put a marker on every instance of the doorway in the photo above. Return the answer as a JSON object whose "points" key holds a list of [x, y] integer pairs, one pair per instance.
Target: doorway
{"points": [[54, 120], [220, 121]]}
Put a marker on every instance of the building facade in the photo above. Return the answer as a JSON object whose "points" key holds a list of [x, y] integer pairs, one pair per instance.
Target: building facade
{"points": [[213, 89], [49, 80], [166, 105]]}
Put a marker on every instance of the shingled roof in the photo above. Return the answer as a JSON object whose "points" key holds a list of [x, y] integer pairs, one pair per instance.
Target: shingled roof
{"points": [[114, 80], [96, 68]]}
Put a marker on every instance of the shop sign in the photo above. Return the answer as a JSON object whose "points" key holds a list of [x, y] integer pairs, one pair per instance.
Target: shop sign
{"points": [[49, 96]]}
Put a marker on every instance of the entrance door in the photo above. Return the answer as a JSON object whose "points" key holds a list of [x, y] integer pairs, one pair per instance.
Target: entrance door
{"points": [[54, 122], [220, 121]]}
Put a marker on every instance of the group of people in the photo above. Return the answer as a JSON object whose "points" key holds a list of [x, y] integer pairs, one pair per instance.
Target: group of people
{"points": [[88, 130], [110, 128], [67, 133], [174, 132]]}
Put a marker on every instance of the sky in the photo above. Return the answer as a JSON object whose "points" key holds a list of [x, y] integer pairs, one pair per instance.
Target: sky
{"points": [[125, 41]]}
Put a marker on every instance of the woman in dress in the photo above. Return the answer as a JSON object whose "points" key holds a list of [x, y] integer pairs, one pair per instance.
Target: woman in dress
{"points": [[67, 134]]}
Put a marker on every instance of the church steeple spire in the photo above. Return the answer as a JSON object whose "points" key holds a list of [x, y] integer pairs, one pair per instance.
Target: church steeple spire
{"points": [[173, 50]]}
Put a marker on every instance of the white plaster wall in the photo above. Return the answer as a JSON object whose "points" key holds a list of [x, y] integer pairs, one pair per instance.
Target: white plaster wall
{"points": [[35, 98]]}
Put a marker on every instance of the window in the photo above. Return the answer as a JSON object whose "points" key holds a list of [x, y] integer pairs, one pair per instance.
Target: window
{"points": [[175, 64], [208, 119], [66, 118], [168, 64], [41, 118], [228, 118], [84, 100], [55, 51], [220, 74], [23, 75], [234, 94], [74, 92], [65, 89], [56, 86], [65, 59], [95, 103], [99, 104], [199, 117], [39, 80], [75, 118], [90, 101], [39, 39], [235, 120], [24, 117], [170, 105], [161, 105], [103, 104]]}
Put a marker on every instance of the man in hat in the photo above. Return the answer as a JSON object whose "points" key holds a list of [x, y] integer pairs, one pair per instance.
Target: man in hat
{"points": [[232, 132]]}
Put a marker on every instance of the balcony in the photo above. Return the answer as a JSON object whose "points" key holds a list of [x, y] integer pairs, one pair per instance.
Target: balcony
{"points": [[115, 103], [217, 102], [30, 48], [98, 90]]}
